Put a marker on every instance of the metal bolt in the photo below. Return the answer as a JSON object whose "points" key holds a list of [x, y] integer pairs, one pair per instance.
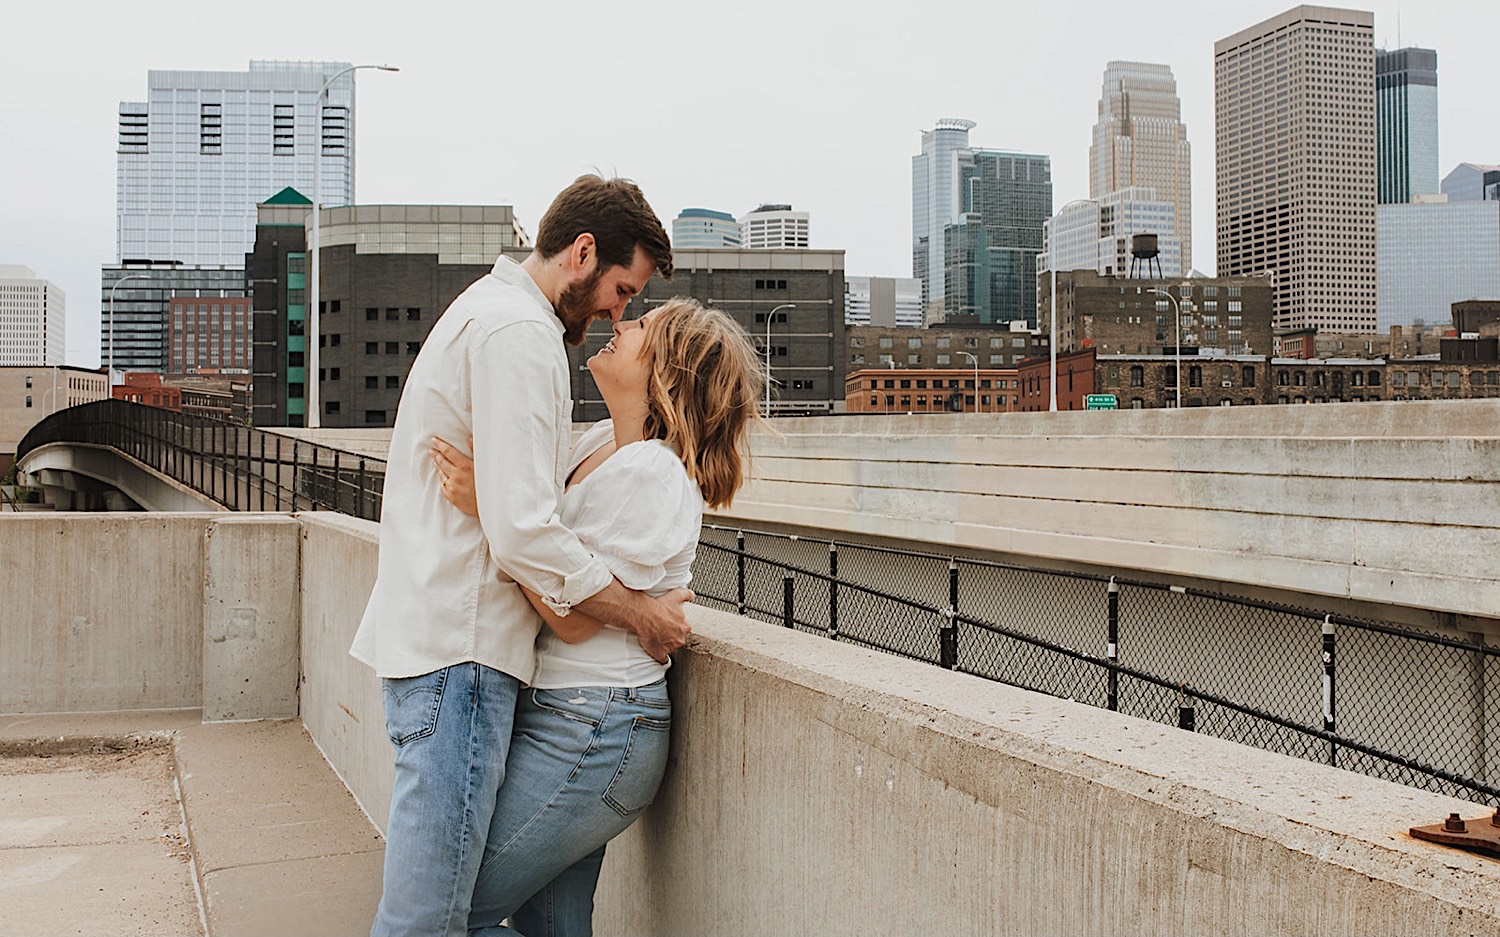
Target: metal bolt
{"points": [[1495, 820], [1454, 824]]}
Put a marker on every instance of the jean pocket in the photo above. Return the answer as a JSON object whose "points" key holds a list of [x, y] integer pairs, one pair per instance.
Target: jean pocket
{"points": [[637, 778], [583, 705], [412, 704]]}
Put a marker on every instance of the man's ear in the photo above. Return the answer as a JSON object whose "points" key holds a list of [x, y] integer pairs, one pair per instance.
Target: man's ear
{"points": [[583, 251]]}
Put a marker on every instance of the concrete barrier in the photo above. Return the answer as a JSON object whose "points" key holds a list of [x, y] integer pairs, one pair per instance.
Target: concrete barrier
{"points": [[817, 788], [1384, 503]]}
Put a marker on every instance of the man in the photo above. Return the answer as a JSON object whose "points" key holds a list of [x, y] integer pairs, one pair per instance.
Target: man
{"points": [[447, 627]]}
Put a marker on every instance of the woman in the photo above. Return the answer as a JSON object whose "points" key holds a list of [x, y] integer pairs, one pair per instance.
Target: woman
{"points": [[590, 739]]}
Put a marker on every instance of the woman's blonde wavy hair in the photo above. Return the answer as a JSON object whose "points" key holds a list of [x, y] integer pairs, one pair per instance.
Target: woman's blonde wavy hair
{"points": [[703, 392]]}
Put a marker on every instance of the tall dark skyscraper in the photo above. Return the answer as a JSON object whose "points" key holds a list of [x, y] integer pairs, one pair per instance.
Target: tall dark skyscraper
{"points": [[1406, 124], [990, 252]]}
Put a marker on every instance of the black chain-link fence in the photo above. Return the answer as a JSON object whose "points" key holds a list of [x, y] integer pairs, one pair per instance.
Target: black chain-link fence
{"points": [[240, 467], [1395, 703]]}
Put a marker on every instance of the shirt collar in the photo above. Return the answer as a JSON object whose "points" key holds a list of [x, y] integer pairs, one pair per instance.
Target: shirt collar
{"points": [[513, 273]]}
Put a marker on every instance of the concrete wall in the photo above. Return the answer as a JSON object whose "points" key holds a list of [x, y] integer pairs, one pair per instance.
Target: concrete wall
{"points": [[342, 705], [1392, 503], [817, 788], [108, 612]]}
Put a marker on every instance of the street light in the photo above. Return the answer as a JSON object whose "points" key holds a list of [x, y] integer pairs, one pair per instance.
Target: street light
{"points": [[976, 377], [133, 276], [314, 418], [771, 317], [1177, 352]]}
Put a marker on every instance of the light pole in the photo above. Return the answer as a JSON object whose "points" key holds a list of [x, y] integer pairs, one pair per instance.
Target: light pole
{"points": [[771, 317], [113, 287], [1177, 351], [974, 359], [311, 382]]}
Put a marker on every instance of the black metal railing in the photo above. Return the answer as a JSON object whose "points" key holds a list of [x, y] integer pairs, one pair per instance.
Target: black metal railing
{"points": [[1391, 702], [242, 468]]}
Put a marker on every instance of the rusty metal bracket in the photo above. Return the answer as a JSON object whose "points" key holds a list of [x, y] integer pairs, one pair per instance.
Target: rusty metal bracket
{"points": [[1481, 835]]}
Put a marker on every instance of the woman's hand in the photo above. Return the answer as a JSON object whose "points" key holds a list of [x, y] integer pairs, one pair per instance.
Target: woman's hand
{"points": [[457, 473]]}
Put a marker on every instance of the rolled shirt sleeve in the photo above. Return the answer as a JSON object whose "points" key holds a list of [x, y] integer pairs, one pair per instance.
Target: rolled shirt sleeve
{"points": [[521, 436]]}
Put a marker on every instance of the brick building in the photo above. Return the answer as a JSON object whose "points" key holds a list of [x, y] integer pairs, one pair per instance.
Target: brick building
{"points": [[146, 388], [210, 333], [931, 390], [1119, 315], [939, 346], [1076, 379]]}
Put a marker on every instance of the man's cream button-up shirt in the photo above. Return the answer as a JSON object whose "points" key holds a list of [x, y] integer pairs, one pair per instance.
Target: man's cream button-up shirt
{"points": [[493, 367]]}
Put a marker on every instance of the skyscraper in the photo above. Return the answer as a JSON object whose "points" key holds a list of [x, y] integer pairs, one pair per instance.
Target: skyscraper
{"points": [[887, 301], [1294, 102], [1406, 124], [934, 201], [990, 251], [32, 319], [1432, 254], [204, 148], [1140, 140], [192, 162], [704, 227]]}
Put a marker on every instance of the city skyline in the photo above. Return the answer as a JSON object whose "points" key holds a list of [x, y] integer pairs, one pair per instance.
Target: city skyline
{"points": [[463, 121]]}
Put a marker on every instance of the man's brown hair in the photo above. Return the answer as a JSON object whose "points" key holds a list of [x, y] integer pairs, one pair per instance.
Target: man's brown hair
{"points": [[615, 212]]}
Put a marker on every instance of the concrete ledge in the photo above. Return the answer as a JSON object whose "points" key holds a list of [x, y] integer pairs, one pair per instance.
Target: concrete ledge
{"points": [[281, 846], [870, 794]]}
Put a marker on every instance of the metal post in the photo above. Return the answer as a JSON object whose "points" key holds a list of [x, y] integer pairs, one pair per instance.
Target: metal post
{"points": [[948, 635], [1328, 688], [363, 494], [1186, 716], [833, 590], [788, 585], [1112, 648], [739, 546], [262, 470], [338, 484], [296, 462]]}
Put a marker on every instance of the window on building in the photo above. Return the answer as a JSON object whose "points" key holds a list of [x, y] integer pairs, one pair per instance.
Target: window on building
{"points": [[296, 359], [372, 348], [857, 359], [295, 391], [1169, 375], [374, 416], [333, 374], [997, 343], [336, 306], [996, 360], [28, 400], [913, 343], [413, 314], [857, 341], [392, 348], [392, 314], [971, 343], [887, 342], [413, 347], [945, 342], [1299, 379], [802, 385], [371, 314], [28, 382], [1018, 343], [944, 359], [1137, 375], [1247, 376], [331, 406], [913, 359], [1398, 379], [1374, 378], [1357, 379], [392, 382]]}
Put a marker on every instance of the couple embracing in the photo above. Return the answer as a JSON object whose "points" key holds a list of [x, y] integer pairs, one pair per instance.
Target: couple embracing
{"points": [[530, 591]]}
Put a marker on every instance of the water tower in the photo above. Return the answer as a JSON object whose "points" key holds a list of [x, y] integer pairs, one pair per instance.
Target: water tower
{"points": [[1144, 252]]}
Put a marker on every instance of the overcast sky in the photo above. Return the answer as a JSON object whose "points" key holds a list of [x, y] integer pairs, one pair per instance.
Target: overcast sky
{"points": [[705, 105]]}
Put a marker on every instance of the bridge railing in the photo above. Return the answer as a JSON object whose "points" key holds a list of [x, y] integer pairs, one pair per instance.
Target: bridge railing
{"points": [[1395, 703], [241, 467]]}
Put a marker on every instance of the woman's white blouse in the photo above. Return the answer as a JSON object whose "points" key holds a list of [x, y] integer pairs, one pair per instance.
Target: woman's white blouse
{"points": [[639, 513]]}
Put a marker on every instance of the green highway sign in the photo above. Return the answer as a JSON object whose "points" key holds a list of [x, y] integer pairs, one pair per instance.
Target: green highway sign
{"points": [[1101, 402]]}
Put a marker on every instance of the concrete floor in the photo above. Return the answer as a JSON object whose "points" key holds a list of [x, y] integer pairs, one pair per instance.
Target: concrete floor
{"points": [[152, 823]]}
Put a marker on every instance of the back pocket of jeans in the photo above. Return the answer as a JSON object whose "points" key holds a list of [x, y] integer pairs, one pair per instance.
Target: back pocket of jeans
{"points": [[635, 782], [412, 704]]}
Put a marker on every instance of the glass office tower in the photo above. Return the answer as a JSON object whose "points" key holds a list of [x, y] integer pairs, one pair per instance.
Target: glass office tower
{"points": [[1406, 124]]}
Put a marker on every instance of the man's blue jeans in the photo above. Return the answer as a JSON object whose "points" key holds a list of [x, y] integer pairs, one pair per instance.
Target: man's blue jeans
{"points": [[584, 762], [451, 729]]}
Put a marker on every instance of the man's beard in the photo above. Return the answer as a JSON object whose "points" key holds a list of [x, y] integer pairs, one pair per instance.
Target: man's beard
{"points": [[575, 307]]}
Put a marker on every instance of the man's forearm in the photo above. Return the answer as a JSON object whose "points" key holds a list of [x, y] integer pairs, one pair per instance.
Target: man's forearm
{"points": [[621, 607]]}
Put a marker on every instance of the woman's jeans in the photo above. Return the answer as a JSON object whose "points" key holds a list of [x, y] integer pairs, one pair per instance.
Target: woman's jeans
{"points": [[451, 729], [584, 762]]}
